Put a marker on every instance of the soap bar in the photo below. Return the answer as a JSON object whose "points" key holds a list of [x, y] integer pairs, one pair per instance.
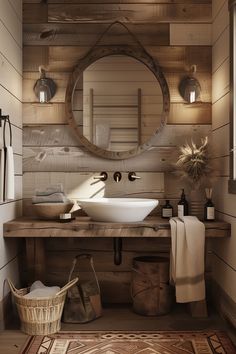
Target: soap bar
{"points": [[66, 217]]}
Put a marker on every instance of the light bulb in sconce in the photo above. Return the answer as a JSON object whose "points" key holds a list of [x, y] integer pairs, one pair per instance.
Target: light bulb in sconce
{"points": [[189, 87], [44, 88]]}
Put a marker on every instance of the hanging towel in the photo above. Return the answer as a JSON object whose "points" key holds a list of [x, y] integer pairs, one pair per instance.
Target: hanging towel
{"points": [[2, 158], [187, 258], [9, 174]]}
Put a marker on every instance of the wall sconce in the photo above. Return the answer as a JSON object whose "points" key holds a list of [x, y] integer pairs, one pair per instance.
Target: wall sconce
{"points": [[44, 88], [189, 87]]}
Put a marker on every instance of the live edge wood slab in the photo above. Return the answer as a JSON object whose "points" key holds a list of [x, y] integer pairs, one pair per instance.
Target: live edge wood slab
{"points": [[84, 227], [34, 231]]}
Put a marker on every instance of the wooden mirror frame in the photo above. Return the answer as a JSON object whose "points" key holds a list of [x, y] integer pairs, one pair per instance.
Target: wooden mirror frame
{"points": [[99, 52]]}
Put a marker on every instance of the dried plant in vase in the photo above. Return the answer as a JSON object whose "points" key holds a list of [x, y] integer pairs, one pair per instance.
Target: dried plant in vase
{"points": [[193, 162], [193, 166]]}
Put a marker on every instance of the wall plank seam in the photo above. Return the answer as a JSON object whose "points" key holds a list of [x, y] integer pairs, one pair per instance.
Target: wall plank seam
{"points": [[219, 10], [223, 260], [10, 93]]}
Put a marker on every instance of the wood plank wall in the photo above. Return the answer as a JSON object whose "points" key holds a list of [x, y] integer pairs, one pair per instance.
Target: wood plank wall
{"points": [[224, 266], [11, 103], [57, 34]]}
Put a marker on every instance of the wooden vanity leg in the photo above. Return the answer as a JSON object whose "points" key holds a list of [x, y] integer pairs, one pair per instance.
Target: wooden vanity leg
{"points": [[35, 254]]}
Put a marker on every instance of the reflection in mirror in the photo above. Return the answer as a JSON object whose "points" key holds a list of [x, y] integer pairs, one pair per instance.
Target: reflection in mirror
{"points": [[117, 103]]}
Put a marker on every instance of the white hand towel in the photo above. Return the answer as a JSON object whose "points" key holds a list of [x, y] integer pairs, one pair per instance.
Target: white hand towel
{"points": [[9, 174], [187, 258], [1, 174]]}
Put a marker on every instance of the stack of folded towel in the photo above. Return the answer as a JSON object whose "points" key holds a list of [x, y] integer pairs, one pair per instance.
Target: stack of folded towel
{"points": [[38, 289], [52, 194]]}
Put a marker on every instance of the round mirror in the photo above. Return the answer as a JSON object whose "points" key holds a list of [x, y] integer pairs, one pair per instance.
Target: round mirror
{"points": [[116, 102]]}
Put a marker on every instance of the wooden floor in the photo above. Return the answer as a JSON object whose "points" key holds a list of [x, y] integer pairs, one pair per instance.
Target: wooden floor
{"points": [[121, 318]]}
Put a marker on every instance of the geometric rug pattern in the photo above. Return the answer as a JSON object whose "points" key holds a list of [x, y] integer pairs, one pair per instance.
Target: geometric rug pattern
{"points": [[118, 342]]}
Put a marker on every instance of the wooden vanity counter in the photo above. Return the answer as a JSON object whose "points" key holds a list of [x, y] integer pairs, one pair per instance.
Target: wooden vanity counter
{"points": [[35, 232], [83, 226]]}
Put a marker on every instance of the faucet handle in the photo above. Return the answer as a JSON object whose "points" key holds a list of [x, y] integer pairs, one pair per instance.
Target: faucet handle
{"points": [[117, 176], [132, 176], [102, 177]]}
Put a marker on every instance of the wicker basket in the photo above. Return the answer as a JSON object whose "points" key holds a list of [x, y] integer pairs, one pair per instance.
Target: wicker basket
{"points": [[40, 316]]}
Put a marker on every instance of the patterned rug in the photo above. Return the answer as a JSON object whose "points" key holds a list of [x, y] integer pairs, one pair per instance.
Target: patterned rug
{"points": [[202, 342]]}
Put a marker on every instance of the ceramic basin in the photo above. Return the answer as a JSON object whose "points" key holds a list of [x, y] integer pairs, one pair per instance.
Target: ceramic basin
{"points": [[118, 209]]}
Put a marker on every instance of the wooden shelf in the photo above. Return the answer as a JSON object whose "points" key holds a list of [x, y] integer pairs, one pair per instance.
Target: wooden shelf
{"points": [[84, 227]]}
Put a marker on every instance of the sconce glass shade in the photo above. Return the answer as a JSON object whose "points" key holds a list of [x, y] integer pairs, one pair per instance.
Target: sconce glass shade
{"points": [[44, 89], [189, 89]]}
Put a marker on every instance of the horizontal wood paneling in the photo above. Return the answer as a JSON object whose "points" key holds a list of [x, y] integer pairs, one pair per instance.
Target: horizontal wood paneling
{"points": [[11, 21], [224, 201], [17, 5], [220, 112], [220, 141], [64, 58], [62, 135], [11, 106], [220, 50], [220, 81], [226, 250], [10, 79], [11, 270], [225, 276], [36, 113], [220, 22], [86, 35], [83, 185], [221, 166], [216, 7], [181, 113], [75, 159], [190, 34], [8, 248], [137, 13], [10, 49], [18, 164], [130, 13]]}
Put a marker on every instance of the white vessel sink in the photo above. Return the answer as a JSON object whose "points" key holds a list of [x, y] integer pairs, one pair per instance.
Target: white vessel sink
{"points": [[118, 209]]}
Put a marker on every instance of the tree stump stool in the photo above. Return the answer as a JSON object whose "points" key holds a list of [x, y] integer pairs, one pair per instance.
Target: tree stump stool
{"points": [[151, 293]]}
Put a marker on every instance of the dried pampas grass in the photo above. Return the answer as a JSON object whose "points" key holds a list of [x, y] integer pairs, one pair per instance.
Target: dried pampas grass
{"points": [[193, 163]]}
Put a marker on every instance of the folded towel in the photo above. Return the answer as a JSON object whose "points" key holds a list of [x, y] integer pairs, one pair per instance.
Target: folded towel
{"points": [[2, 175], [187, 258], [57, 188], [52, 198], [9, 174]]}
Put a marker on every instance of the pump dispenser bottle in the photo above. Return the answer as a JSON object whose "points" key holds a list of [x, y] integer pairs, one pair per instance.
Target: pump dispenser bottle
{"points": [[182, 205]]}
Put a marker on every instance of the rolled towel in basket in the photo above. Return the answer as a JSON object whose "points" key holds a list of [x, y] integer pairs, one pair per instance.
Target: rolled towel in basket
{"points": [[38, 289], [53, 198]]}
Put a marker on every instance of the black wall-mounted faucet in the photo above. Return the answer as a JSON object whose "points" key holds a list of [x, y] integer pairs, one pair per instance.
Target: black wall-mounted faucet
{"points": [[117, 176]]}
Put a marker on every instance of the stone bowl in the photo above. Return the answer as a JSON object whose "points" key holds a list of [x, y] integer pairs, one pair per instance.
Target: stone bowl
{"points": [[51, 211]]}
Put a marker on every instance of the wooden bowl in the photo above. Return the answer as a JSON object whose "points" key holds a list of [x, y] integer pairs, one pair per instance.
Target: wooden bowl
{"points": [[51, 210]]}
